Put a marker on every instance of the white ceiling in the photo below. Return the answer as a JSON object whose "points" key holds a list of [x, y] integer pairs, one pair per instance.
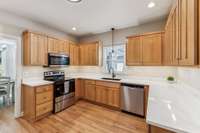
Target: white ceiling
{"points": [[89, 16]]}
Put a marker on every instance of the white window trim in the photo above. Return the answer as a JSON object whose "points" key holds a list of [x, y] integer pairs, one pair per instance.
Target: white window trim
{"points": [[104, 65]]}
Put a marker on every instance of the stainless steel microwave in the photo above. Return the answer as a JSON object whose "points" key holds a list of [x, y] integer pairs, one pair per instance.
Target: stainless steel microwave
{"points": [[58, 60]]}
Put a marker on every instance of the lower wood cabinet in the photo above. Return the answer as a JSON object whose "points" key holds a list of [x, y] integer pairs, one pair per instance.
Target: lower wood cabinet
{"points": [[154, 129], [37, 101], [113, 97], [90, 90], [107, 93], [101, 94]]}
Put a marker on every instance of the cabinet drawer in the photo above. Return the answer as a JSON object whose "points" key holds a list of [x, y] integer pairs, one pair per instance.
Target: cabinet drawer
{"points": [[45, 88], [44, 97], [44, 108], [90, 82], [108, 84]]}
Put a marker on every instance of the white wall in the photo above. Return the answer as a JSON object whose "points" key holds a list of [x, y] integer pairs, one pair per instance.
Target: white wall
{"points": [[121, 34], [14, 25]]}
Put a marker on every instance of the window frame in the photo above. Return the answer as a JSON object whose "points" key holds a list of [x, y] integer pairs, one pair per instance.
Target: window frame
{"points": [[104, 55]]}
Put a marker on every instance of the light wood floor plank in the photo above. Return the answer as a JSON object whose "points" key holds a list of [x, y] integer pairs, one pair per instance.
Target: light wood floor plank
{"points": [[83, 117]]}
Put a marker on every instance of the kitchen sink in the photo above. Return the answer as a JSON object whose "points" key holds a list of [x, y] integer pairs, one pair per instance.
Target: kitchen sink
{"points": [[111, 79]]}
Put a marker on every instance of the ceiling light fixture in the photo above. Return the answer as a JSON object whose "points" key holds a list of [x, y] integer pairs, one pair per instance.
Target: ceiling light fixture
{"points": [[74, 1], [74, 28], [151, 5]]}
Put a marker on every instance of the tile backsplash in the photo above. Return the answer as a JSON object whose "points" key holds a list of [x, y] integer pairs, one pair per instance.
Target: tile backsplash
{"points": [[37, 72], [191, 76], [158, 72]]}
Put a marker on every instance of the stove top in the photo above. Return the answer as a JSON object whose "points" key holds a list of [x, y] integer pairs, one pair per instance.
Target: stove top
{"points": [[56, 76]]}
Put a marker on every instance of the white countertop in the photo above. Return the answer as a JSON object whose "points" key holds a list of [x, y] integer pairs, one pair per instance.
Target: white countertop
{"points": [[35, 82], [175, 107]]}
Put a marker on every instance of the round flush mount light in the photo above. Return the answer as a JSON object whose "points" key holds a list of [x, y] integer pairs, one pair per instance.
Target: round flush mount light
{"points": [[74, 1], [151, 5], [74, 28]]}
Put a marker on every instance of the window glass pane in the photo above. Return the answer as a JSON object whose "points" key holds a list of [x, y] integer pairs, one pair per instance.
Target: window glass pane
{"points": [[114, 60]]}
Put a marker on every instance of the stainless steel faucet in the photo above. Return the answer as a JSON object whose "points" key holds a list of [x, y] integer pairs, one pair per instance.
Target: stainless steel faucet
{"points": [[113, 72]]}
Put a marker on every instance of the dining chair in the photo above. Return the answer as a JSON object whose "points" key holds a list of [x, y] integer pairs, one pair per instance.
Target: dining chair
{"points": [[5, 89]]}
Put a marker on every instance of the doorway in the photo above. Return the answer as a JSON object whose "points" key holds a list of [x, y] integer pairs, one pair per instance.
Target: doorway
{"points": [[10, 74]]}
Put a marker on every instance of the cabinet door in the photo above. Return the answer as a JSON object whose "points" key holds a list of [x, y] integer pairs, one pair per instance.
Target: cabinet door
{"points": [[42, 50], [89, 54], [38, 47], [51, 45], [90, 92], [93, 54], [188, 32], [66, 47], [84, 54], [34, 49], [79, 88], [114, 97], [151, 49], [74, 54], [101, 94], [133, 51]]}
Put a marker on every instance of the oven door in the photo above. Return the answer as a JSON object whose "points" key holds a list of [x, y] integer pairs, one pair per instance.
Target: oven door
{"points": [[58, 60], [64, 87]]}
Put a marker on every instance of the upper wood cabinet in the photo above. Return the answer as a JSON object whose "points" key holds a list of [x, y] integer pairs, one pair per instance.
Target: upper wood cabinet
{"points": [[188, 32], [144, 49], [90, 54], [74, 54], [134, 51], [181, 34], [199, 30], [34, 49], [171, 42], [152, 49], [58, 46]]}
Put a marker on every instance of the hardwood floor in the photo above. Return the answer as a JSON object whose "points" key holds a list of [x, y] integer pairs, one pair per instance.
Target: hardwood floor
{"points": [[83, 117]]}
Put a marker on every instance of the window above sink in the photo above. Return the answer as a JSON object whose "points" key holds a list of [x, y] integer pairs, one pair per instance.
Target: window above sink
{"points": [[118, 60]]}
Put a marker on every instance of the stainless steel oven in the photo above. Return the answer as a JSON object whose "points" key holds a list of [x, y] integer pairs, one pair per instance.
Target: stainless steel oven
{"points": [[64, 87], [64, 94], [64, 90], [58, 60]]}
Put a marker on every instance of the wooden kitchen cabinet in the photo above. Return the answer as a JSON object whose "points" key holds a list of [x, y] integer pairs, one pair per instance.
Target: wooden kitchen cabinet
{"points": [[152, 49], [180, 45], [171, 42], [144, 49], [74, 54], [154, 129], [37, 101], [108, 93], [188, 32], [134, 51], [114, 97], [89, 54], [101, 94], [90, 90], [79, 89], [34, 49], [58, 46]]}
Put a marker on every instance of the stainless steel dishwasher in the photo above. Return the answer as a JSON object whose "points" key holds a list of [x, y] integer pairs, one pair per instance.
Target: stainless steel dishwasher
{"points": [[132, 99]]}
